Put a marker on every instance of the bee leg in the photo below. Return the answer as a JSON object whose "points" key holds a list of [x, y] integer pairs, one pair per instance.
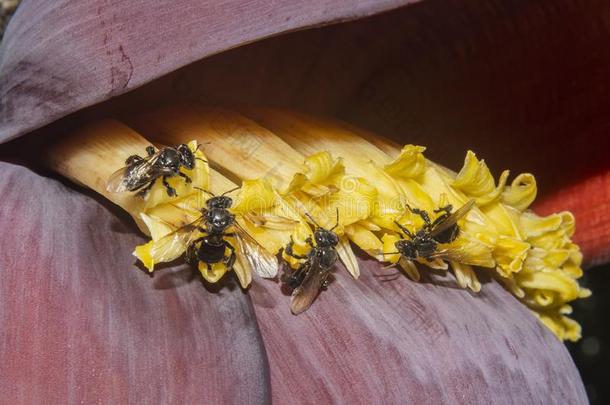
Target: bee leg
{"points": [[150, 150], [310, 242], [325, 282], [230, 260], [186, 178], [404, 230], [289, 252], [446, 209], [439, 220], [133, 159], [446, 212], [142, 193], [423, 214], [191, 257], [170, 190]]}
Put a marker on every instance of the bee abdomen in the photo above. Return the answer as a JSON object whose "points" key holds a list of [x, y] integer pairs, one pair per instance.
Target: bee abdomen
{"points": [[211, 253]]}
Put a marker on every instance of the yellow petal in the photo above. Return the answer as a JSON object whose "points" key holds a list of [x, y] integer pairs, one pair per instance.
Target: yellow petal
{"points": [[476, 181], [470, 249], [389, 247], [434, 183], [321, 174], [347, 257], [321, 167], [414, 195], [409, 163], [551, 240], [300, 247], [255, 195], [509, 254], [213, 273], [568, 223], [159, 249], [562, 326], [280, 221], [511, 285], [541, 260], [566, 288], [504, 218], [533, 225], [363, 238], [244, 276], [354, 201], [465, 276], [572, 270], [521, 193], [142, 252], [158, 228], [409, 268]]}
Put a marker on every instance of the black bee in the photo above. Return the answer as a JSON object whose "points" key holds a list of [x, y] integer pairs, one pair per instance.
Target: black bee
{"points": [[311, 275], [205, 241], [140, 173], [424, 243]]}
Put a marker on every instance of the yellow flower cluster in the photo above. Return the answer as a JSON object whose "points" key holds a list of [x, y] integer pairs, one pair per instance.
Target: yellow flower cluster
{"points": [[532, 256]]}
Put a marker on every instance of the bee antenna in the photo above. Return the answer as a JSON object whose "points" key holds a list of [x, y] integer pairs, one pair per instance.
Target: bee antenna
{"points": [[312, 220], [336, 223], [204, 190], [230, 191]]}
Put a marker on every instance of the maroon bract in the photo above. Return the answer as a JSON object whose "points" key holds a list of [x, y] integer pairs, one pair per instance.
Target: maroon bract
{"points": [[78, 323]]}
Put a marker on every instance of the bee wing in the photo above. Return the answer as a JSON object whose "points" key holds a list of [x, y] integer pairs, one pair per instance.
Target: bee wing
{"points": [[117, 181], [270, 221], [252, 256], [461, 255], [172, 245], [132, 177], [446, 254], [452, 219], [305, 294]]}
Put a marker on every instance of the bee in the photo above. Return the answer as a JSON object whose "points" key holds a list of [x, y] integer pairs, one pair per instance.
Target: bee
{"points": [[205, 240], [424, 243], [312, 274], [140, 173]]}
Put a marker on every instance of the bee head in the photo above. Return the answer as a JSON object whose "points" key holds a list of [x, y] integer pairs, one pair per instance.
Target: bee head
{"points": [[221, 201], [186, 156], [406, 248], [325, 238]]}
